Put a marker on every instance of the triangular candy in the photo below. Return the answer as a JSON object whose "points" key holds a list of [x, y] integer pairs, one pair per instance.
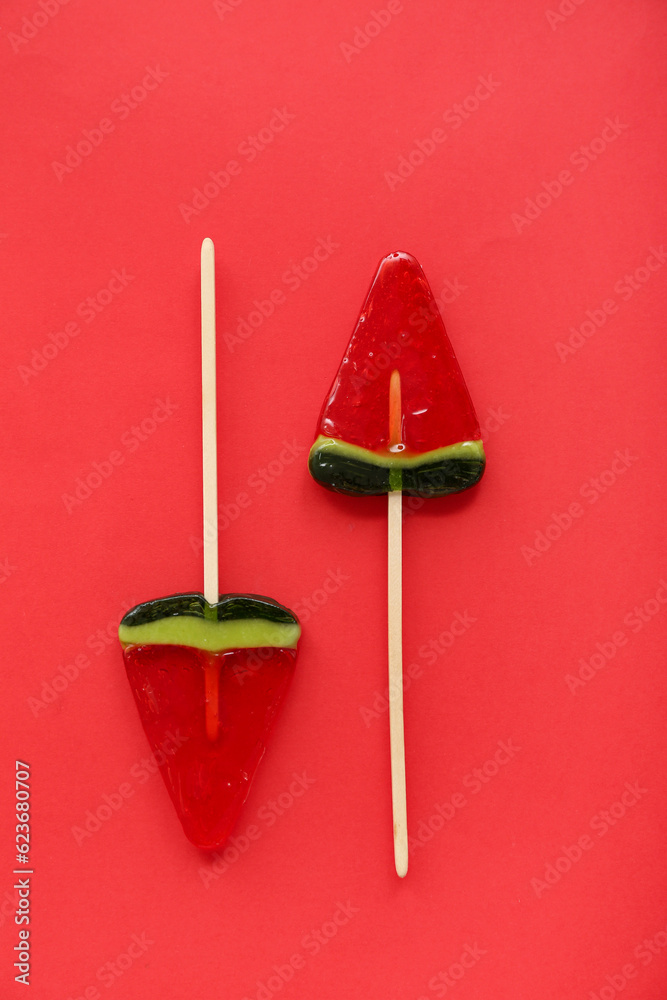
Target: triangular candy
{"points": [[208, 680], [399, 359]]}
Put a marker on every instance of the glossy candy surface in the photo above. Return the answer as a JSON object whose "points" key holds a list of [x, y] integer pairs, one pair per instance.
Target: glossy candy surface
{"points": [[208, 681], [399, 359]]}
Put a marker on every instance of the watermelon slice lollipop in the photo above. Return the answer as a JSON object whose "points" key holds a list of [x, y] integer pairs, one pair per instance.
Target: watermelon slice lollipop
{"points": [[208, 681], [399, 352], [398, 418], [209, 672]]}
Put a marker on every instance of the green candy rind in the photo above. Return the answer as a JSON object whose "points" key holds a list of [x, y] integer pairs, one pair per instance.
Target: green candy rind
{"points": [[350, 469], [237, 621]]}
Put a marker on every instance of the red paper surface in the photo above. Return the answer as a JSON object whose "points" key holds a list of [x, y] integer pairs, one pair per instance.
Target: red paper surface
{"points": [[517, 150]]}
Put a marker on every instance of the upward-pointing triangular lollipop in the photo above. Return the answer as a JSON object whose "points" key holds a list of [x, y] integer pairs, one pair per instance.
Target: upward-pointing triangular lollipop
{"points": [[208, 671], [398, 418], [438, 448]]}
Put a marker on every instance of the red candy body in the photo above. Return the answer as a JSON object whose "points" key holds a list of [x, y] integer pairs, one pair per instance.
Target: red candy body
{"points": [[399, 328], [207, 717]]}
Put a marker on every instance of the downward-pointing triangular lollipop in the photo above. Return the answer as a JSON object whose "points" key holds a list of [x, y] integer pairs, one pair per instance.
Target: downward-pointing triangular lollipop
{"points": [[209, 672], [398, 418]]}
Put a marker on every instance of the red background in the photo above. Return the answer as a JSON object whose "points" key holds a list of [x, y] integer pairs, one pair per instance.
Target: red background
{"points": [[360, 100]]}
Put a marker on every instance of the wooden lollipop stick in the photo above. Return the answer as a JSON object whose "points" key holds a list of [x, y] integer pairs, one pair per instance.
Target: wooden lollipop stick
{"points": [[210, 469], [395, 603], [209, 428], [396, 737]]}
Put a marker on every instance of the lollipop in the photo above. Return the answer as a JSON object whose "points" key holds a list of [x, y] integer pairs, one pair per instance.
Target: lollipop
{"points": [[398, 419], [209, 672]]}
